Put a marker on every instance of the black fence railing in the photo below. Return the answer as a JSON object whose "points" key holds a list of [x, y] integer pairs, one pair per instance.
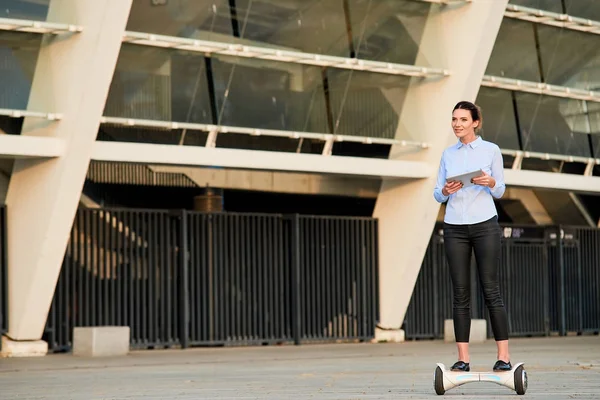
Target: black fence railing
{"points": [[3, 275], [549, 278], [186, 278]]}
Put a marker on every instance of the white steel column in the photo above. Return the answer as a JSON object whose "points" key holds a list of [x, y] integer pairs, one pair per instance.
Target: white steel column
{"points": [[459, 38], [72, 76]]}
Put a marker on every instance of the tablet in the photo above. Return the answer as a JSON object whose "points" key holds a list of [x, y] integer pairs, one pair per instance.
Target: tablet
{"points": [[466, 178]]}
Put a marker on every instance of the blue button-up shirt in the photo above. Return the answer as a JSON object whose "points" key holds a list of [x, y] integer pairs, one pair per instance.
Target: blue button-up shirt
{"points": [[473, 204]]}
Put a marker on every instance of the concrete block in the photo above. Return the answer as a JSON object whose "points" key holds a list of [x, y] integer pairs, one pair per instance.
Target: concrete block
{"points": [[101, 341], [478, 331], [389, 335], [26, 348]]}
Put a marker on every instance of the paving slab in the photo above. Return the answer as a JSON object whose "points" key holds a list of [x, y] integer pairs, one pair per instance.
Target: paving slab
{"points": [[558, 368]]}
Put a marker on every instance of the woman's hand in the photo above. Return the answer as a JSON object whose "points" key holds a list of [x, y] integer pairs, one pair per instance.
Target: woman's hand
{"points": [[484, 180], [451, 187]]}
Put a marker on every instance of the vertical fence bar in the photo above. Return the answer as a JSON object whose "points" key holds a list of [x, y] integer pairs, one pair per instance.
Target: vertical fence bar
{"points": [[296, 279], [561, 283], [3, 275], [184, 275]]}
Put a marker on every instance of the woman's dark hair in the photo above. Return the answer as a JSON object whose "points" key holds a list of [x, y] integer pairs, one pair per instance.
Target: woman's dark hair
{"points": [[474, 109]]}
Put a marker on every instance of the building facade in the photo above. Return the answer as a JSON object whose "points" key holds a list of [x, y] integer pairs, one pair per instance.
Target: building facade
{"points": [[286, 106]]}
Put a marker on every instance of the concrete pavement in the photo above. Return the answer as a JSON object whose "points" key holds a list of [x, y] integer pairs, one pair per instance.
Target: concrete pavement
{"points": [[558, 368]]}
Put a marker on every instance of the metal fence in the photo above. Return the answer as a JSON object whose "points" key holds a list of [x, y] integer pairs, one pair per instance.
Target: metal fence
{"points": [[187, 278], [549, 278], [3, 275]]}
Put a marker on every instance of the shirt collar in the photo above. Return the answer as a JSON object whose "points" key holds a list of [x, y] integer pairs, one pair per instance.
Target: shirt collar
{"points": [[473, 144]]}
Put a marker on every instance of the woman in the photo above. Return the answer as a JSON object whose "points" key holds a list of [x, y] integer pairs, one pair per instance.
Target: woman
{"points": [[471, 223]]}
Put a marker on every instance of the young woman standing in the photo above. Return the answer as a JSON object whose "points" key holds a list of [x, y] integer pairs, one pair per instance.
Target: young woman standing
{"points": [[471, 223]]}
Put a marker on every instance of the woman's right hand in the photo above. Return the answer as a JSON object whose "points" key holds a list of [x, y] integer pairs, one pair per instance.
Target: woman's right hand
{"points": [[451, 187]]}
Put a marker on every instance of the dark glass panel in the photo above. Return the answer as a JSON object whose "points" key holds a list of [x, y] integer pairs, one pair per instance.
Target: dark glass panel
{"points": [[270, 95], [544, 127], [588, 9], [158, 84], [366, 103], [313, 26], [596, 146], [499, 125], [18, 58], [548, 5], [570, 58], [387, 30], [36, 10], [199, 19], [514, 53]]}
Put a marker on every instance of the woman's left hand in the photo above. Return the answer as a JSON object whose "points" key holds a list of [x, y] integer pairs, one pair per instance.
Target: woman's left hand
{"points": [[484, 180]]}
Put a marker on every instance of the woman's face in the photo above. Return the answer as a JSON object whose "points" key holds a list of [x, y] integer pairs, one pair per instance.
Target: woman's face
{"points": [[463, 124]]}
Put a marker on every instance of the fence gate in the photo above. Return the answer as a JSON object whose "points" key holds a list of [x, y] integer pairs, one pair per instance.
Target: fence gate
{"points": [[187, 278]]}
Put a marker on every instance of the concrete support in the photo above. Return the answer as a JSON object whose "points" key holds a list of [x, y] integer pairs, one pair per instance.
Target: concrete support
{"points": [[531, 203], [459, 38], [72, 76]]}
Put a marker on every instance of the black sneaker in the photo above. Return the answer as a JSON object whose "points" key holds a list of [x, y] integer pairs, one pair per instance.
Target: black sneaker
{"points": [[502, 366], [460, 366]]}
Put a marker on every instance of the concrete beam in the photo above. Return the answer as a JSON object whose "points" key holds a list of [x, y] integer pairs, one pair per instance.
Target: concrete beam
{"points": [[72, 75], [145, 153], [280, 182], [458, 38], [21, 146]]}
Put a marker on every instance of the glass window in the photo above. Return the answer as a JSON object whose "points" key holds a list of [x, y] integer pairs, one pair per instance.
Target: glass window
{"points": [[36, 10], [313, 26], [596, 146], [514, 54], [593, 117], [544, 127], [158, 84], [388, 31], [366, 103], [270, 95], [18, 57], [499, 125], [548, 5], [199, 19], [570, 58], [584, 9], [581, 116]]}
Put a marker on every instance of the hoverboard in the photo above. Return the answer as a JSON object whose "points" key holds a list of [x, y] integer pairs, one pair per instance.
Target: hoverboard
{"points": [[515, 379]]}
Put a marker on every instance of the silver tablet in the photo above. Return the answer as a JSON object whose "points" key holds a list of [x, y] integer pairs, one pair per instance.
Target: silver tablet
{"points": [[465, 178]]}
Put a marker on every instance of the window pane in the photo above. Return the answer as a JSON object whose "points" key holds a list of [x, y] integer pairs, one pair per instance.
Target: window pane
{"points": [[158, 84], [548, 5], [596, 145], [584, 9], [386, 30], [313, 26], [570, 58], [582, 117], [199, 19], [18, 57], [36, 10], [545, 128], [514, 53], [593, 115], [499, 124], [366, 103], [271, 95]]}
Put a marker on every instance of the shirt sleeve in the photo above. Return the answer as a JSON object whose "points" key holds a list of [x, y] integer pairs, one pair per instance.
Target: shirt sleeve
{"points": [[441, 181], [498, 174]]}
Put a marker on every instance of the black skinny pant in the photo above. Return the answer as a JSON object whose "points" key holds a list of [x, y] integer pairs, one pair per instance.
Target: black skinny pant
{"points": [[459, 241]]}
